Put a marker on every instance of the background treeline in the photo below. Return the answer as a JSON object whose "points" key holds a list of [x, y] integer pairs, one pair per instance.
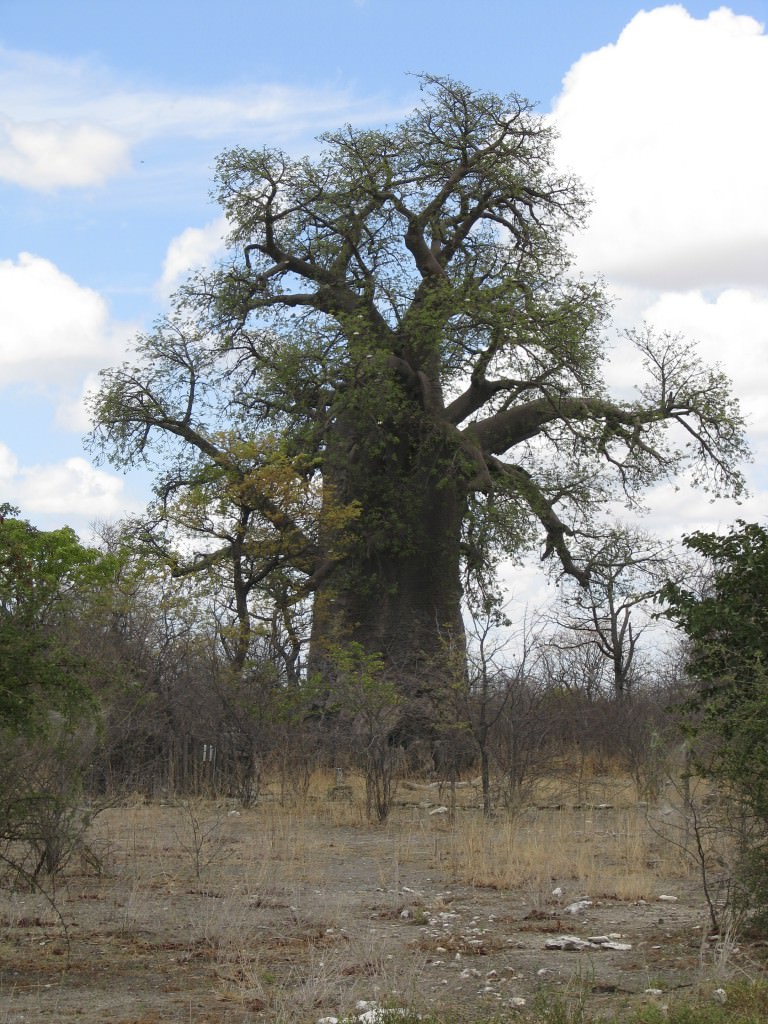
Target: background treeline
{"points": [[118, 679], [133, 670]]}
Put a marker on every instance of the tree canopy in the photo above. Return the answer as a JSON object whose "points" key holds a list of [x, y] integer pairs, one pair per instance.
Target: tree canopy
{"points": [[47, 582], [395, 379]]}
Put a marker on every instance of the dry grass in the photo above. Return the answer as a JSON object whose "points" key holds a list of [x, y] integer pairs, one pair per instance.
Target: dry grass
{"points": [[593, 852], [290, 911]]}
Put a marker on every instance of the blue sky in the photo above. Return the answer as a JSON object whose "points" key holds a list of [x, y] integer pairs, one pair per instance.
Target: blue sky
{"points": [[111, 116]]}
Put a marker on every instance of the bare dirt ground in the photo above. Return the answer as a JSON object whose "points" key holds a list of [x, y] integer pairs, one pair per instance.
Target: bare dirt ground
{"points": [[208, 913]]}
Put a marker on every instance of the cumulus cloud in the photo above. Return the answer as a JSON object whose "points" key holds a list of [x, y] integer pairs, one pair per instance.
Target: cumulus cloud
{"points": [[49, 155], [195, 247], [731, 329], [72, 491], [9, 464], [52, 326], [664, 126], [72, 413]]}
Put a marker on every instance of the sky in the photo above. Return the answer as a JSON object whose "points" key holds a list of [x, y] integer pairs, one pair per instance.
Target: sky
{"points": [[112, 116]]}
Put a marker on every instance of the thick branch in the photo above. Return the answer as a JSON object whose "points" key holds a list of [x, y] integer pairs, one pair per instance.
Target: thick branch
{"points": [[503, 430], [543, 509]]}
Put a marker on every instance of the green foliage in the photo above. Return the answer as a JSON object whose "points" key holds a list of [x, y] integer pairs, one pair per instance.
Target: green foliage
{"points": [[362, 691], [48, 580], [43, 817], [726, 622]]}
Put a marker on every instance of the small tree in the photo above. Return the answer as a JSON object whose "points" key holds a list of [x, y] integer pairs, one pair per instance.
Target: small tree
{"points": [[50, 592], [48, 584], [726, 621], [371, 704], [500, 697], [627, 568]]}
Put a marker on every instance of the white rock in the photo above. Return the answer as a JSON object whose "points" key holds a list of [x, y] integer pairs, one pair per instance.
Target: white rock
{"points": [[596, 942], [667, 899], [653, 992], [328, 1020], [720, 995], [566, 942], [577, 907], [517, 1002], [439, 810], [608, 941], [558, 892]]}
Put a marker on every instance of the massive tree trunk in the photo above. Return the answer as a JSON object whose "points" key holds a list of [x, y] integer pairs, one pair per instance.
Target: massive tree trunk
{"points": [[395, 585]]}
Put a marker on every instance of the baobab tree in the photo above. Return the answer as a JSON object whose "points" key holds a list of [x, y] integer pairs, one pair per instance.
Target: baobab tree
{"points": [[394, 379]]}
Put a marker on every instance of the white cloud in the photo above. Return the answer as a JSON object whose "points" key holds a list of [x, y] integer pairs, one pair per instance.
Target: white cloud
{"points": [[9, 464], [52, 327], [729, 329], [71, 123], [49, 155], [70, 491], [678, 510], [732, 330], [72, 413], [45, 314], [665, 126], [195, 247]]}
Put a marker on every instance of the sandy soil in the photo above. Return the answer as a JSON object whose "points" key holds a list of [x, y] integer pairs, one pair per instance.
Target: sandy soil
{"points": [[211, 914]]}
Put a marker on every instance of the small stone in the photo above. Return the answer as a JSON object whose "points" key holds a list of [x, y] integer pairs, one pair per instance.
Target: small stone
{"points": [[720, 995], [667, 899], [566, 942], [577, 907]]}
